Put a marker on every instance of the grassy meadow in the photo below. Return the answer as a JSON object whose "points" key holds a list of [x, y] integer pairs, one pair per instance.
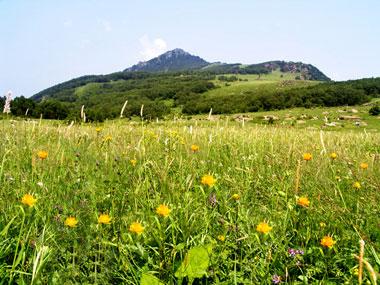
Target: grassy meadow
{"points": [[256, 83], [187, 202]]}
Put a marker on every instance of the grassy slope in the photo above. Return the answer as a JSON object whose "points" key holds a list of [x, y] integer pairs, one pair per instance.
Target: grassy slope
{"points": [[255, 84], [267, 81]]}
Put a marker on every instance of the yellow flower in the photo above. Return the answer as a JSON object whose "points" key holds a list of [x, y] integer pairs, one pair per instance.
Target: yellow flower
{"points": [[327, 241], [104, 219], [363, 165], [98, 129], [163, 210], [42, 154], [322, 224], [333, 155], [263, 228], [108, 138], [71, 222], [136, 228], [194, 148], [222, 238], [236, 197], [356, 185], [208, 180], [303, 201], [133, 161], [307, 156], [28, 200]]}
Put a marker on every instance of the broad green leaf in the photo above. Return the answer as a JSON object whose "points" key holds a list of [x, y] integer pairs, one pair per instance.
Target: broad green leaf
{"points": [[195, 263], [148, 279]]}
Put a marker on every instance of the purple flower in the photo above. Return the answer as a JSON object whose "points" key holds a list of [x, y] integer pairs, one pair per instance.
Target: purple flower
{"points": [[299, 251], [293, 252], [276, 279]]}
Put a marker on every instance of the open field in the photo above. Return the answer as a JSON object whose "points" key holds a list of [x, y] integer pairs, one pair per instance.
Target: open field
{"points": [[266, 213], [256, 83]]}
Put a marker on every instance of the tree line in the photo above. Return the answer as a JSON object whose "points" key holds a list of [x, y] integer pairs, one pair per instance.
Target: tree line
{"points": [[159, 94]]}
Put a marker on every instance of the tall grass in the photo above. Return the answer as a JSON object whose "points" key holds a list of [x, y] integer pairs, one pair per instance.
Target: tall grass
{"points": [[127, 170]]}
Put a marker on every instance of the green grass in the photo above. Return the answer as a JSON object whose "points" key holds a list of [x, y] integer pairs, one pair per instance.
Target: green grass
{"points": [[85, 175], [256, 84]]}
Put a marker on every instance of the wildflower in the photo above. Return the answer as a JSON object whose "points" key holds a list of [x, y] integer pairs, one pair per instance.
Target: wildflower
{"points": [[236, 197], [356, 185], [322, 224], [363, 165], [136, 228], [293, 252], [208, 180], [133, 161], [7, 105], [98, 129], [71, 222], [303, 201], [107, 138], [276, 279], [307, 156], [104, 219], [263, 228], [194, 148], [333, 155], [222, 238], [42, 154], [327, 241], [163, 210], [28, 200]]}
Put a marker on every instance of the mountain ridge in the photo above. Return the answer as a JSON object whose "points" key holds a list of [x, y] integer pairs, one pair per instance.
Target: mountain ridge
{"points": [[173, 60], [179, 60]]}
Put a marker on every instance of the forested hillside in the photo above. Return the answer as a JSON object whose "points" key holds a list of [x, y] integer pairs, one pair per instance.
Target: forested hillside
{"points": [[190, 93]]}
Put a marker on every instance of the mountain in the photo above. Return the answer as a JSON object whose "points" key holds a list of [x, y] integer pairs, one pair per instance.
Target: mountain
{"points": [[180, 60], [174, 60], [301, 70], [179, 80]]}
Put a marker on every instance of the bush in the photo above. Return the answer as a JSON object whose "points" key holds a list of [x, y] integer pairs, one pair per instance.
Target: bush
{"points": [[374, 111]]}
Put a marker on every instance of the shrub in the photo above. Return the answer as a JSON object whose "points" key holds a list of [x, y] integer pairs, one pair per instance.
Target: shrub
{"points": [[374, 111]]}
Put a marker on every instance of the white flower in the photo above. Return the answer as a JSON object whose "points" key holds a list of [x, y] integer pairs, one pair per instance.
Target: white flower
{"points": [[7, 105]]}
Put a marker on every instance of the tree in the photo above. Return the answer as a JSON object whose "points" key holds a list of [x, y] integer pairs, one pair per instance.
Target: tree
{"points": [[51, 109], [21, 104]]}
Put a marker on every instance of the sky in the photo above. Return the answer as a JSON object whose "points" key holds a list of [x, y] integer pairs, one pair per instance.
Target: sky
{"points": [[45, 42]]}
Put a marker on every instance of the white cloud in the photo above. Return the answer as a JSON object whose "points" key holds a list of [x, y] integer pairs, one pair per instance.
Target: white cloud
{"points": [[106, 25], [153, 48]]}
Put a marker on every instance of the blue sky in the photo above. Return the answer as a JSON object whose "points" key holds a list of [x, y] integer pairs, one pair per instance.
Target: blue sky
{"points": [[43, 43]]}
